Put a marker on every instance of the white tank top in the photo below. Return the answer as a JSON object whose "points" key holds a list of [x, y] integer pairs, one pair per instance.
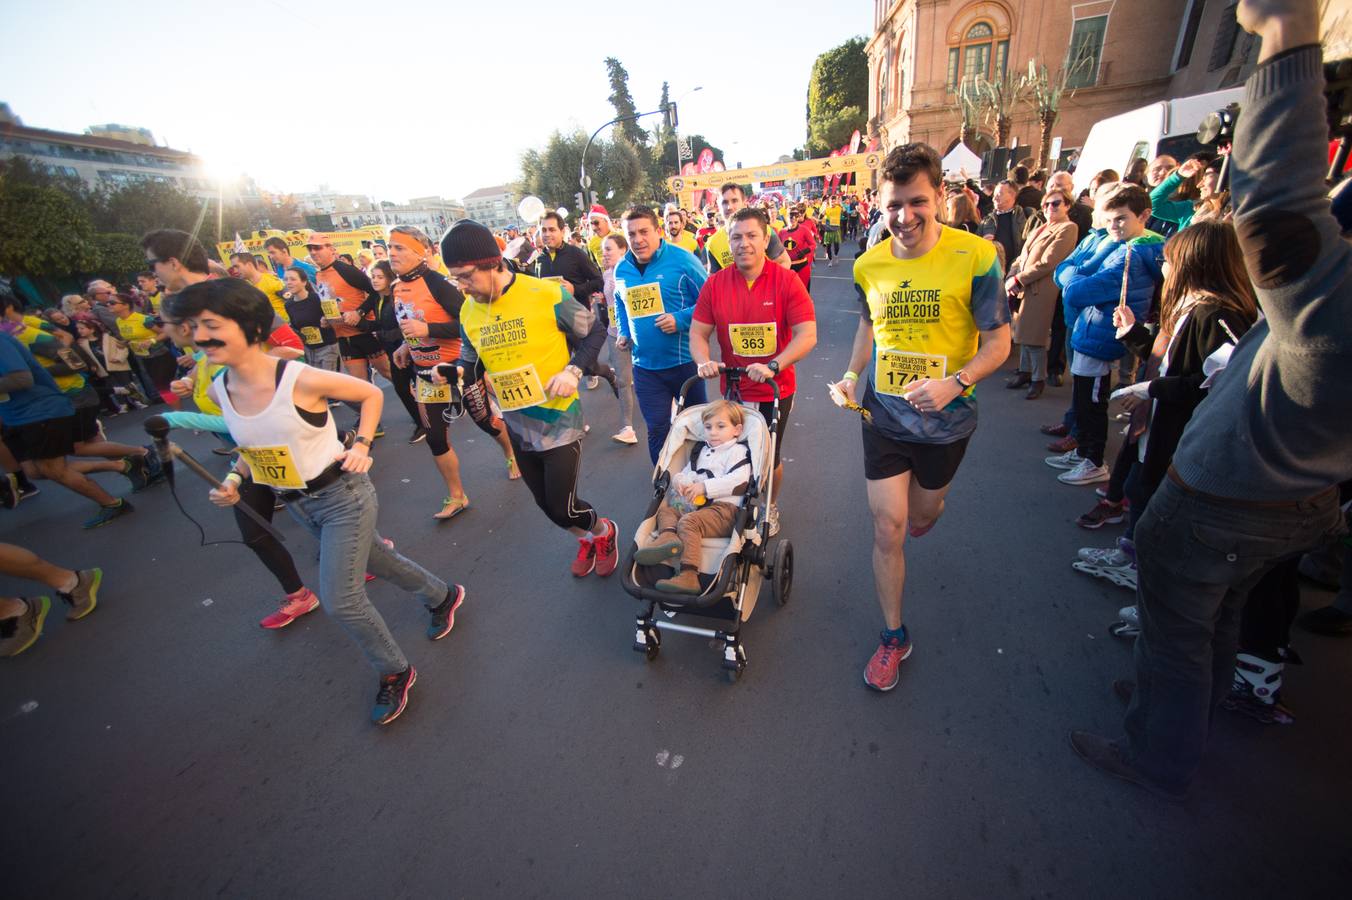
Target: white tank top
{"points": [[282, 449]]}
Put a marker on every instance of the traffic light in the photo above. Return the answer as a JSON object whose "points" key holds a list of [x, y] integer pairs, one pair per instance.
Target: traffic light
{"points": [[669, 113], [594, 199], [581, 201]]}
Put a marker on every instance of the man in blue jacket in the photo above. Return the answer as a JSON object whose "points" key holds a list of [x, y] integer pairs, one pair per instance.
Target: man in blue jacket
{"points": [[1125, 266], [656, 286]]}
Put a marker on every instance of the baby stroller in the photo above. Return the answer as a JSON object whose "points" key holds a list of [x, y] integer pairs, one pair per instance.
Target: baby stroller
{"points": [[731, 569]]}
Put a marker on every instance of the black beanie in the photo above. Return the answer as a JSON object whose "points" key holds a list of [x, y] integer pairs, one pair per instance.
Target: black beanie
{"points": [[466, 243]]}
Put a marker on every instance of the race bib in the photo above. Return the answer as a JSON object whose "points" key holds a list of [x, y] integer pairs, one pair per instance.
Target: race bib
{"points": [[644, 300], [274, 466], [517, 388], [753, 340], [433, 393], [310, 334], [330, 309], [896, 370]]}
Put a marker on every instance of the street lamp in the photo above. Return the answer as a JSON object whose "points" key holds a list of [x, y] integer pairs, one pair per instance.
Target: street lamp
{"points": [[668, 110]]}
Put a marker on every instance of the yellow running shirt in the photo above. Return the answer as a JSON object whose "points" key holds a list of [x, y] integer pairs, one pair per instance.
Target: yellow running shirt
{"points": [[926, 315], [272, 286], [685, 240]]}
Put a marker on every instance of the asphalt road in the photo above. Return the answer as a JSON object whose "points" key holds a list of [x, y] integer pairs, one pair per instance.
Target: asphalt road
{"points": [[168, 747]]}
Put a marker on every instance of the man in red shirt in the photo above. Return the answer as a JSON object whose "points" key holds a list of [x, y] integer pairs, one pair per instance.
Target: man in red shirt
{"points": [[765, 323]]}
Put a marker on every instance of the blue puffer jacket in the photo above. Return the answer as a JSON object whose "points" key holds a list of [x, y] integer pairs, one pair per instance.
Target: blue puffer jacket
{"points": [[679, 277], [1090, 291]]}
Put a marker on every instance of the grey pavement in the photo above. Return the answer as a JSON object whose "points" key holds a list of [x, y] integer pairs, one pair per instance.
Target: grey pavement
{"points": [[168, 747]]}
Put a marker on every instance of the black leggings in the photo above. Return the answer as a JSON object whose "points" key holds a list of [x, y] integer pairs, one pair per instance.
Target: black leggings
{"points": [[267, 548], [551, 476], [402, 379]]}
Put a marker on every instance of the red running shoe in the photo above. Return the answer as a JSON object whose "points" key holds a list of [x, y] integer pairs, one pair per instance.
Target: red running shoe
{"points": [[883, 671], [607, 549], [586, 557], [292, 607]]}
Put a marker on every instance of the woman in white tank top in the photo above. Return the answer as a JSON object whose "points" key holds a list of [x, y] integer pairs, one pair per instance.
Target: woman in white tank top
{"points": [[278, 412]]}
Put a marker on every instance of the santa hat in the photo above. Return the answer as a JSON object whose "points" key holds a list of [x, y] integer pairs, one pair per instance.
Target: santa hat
{"points": [[598, 210]]}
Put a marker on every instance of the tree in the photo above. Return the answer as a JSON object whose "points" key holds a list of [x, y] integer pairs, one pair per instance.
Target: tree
{"points": [[662, 133], [969, 97], [837, 96], [1045, 93], [623, 101], [43, 232], [120, 256], [1000, 97], [615, 167]]}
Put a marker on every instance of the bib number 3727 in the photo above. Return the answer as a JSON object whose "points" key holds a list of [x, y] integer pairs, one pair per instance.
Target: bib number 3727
{"points": [[644, 300], [896, 370]]}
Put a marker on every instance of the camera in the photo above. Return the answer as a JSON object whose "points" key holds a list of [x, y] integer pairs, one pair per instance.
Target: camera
{"points": [[1219, 127]]}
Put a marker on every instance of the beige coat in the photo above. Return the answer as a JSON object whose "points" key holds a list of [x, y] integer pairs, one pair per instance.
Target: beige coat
{"points": [[1042, 253]]}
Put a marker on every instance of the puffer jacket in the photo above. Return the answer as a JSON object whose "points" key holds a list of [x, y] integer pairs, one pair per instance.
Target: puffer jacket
{"points": [[1091, 290]]}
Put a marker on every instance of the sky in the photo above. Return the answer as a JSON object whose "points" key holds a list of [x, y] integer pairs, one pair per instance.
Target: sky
{"points": [[374, 99]]}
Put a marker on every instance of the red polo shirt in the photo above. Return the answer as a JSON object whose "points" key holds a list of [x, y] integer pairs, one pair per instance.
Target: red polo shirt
{"points": [[755, 324]]}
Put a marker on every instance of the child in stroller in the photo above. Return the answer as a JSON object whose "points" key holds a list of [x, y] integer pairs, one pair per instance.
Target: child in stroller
{"points": [[703, 499]]}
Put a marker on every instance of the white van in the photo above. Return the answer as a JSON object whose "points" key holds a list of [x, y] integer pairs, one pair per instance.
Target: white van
{"points": [[1169, 127]]}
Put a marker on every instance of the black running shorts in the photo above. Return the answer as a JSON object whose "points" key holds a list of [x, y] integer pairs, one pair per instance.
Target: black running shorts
{"points": [[49, 439], [785, 407], [360, 346], [934, 465]]}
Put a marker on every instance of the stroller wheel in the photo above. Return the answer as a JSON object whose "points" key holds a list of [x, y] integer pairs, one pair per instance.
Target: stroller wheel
{"points": [[781, 571]]}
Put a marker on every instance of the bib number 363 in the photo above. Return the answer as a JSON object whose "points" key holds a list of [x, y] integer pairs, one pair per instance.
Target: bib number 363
{"points": [[753, 340], [896, 370]]}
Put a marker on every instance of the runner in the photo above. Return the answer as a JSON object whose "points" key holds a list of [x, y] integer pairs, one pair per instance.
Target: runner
{"points": [[599, 220], [931, 297], [349, 301], [519, 327], [656, 286], [280, 255], [800, 241], [271, 285], [391, 339], [765, 323], [831, 215], [428, 309], [279, 413], [677, 233], [306, 316], [732, 198]]}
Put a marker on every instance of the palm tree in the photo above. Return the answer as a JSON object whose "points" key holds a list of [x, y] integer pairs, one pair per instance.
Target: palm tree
{"points": [[970, 101], [999, 98], [1044, 93]]}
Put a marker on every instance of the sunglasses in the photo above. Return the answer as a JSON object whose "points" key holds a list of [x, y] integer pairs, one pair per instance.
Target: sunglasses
{"points": [[1053, 204]]}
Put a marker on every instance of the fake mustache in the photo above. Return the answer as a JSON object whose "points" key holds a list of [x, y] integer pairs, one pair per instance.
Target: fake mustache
{"points": [[207, 345]]}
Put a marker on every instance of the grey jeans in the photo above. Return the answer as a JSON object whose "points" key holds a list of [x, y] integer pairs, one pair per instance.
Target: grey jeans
{"points": [[324, 356], [1197, 559], [1033, 360], [342, 517]]}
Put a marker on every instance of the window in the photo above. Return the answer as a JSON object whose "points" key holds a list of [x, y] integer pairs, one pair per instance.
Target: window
{"points": [[1086, 51], [883, 81], [1226, 33], [973, 58], [1188, 39]]}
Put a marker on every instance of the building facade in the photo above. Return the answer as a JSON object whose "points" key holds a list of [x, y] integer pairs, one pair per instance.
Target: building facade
{"points": [[492, 206], [104, 162], [1122, 54]]}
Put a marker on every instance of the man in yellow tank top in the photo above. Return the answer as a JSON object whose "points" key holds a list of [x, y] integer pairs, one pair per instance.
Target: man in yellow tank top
{"points": [[934, 322]]}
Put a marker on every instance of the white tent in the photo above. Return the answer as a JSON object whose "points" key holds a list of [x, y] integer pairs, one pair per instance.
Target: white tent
{"points": [[963, 161]]}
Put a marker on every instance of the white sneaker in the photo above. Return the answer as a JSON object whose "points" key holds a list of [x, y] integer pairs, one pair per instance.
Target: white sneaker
{"points": [[1085, 473], [625, 435], [773, 518], [1068, 460], [592, 382]]}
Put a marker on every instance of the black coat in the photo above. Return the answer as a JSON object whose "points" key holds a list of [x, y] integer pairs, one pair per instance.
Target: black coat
{"points": [[572, 264], [1179, 389]]}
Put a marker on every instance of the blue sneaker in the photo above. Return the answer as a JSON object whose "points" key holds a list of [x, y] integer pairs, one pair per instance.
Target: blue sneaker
{"points": [[393, 695], [443, 615], [106, 514]]}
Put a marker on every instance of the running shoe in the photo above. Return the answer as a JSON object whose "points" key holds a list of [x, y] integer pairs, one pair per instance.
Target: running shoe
{"points": [[1085, 473], [606, 549], [392, 696], [106, 514], [137, 472], [292, 607], [419, 435], [17, 634], [85, 596], [883, 671], [380, 432], [586, 558], [1104, 512], [1068, 460], [625, 436], [27, 489], [9, 491], [1064, 444], [443, 614]]}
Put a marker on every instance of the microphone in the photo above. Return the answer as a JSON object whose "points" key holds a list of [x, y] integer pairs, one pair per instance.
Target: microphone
{"points": [[158, 429]]}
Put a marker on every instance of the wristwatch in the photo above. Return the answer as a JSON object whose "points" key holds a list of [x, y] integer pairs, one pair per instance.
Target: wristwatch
{"points": [[773, 366], [957, 376], [574, 370], [360, 439]]}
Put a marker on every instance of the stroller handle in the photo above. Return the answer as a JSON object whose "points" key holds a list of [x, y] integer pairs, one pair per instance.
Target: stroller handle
{"points": [[734, 374]]}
